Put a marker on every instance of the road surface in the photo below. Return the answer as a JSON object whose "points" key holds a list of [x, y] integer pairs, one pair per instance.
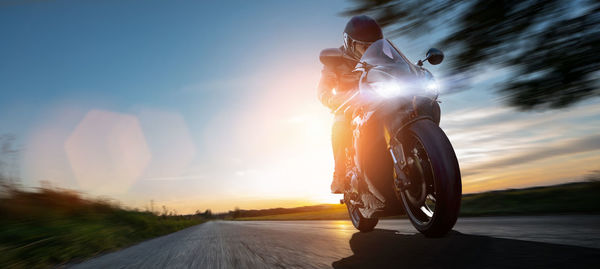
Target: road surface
{"points": [[486, 242]]}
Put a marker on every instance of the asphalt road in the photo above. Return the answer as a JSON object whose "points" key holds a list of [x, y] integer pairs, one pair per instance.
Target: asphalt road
{"points": [[490, 242]]}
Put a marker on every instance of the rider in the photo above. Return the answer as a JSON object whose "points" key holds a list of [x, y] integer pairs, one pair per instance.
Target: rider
{"points": [[339, 82]]}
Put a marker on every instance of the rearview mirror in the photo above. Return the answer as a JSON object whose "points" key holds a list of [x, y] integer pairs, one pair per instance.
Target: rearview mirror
{"points": [[333, 56], [434, 56]]}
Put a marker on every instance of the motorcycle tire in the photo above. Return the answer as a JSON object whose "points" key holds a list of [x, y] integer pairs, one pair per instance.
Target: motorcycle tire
{"points": [[444, 177], [361, 223]]}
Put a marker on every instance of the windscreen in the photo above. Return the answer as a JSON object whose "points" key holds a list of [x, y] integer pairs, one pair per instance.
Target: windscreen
{"points": [[386, 58]]}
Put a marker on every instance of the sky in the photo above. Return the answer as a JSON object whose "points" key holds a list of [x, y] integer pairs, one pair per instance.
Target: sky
{"points": [[196, 105]]}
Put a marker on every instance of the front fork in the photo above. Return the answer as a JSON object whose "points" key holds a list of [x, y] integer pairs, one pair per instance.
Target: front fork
{"points": [[401, 161], [398, 157]]}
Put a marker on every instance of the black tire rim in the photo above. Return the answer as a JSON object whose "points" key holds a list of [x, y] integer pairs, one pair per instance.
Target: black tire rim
{"points": [[420, 196]]}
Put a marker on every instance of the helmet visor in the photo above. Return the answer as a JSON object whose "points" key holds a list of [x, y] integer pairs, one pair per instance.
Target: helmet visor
{"points": [[360, 47], [356, 47]]}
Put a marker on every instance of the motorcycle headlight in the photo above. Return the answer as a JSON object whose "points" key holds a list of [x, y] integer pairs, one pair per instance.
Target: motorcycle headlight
{"points": [[433, 86], [387, 89]]}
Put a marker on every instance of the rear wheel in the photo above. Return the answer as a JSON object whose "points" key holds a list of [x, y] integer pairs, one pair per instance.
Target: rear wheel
{"points": [[432, 199], [361, 223]]}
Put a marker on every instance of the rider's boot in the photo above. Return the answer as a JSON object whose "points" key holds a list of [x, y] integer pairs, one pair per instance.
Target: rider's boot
{"points": [[339, 177], [337, 185]]}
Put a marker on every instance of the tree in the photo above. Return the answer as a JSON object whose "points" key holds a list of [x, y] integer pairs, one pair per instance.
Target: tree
{"points": [[552, 45], [8, 160], [236, 213], [208, 214]]}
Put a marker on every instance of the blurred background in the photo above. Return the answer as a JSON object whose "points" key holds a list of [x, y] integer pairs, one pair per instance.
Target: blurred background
{"points": [[183, 107], [196, 105]]}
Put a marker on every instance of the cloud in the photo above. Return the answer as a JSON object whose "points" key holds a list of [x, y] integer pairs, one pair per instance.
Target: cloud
{"points": [[491, 133], [571, 146], [500, 147], [491, 116], [485, 77]]}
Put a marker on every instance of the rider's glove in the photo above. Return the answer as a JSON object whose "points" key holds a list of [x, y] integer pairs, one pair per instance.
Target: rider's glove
{"points": [[349, 81]]}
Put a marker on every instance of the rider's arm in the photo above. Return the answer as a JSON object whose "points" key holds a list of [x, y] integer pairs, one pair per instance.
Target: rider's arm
{"points": [[326, 86]]}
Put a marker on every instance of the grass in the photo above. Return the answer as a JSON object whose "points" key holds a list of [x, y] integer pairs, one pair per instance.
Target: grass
{"points": [[580, 197], [329, 212], [571, 198], [51, 227]]}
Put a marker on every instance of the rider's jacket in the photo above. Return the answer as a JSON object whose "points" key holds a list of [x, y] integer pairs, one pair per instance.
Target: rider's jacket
{"points": [[337, 83]]}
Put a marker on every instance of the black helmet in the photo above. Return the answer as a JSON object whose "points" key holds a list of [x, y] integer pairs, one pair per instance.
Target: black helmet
{"points": [[360, 32]]}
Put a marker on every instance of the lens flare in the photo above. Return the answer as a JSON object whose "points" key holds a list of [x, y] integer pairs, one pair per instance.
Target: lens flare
{"points": [[433, 86], [387, 89]]}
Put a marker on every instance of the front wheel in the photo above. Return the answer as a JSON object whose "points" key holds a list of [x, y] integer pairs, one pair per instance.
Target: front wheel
{"points": [[361, 223], [432, 199]]}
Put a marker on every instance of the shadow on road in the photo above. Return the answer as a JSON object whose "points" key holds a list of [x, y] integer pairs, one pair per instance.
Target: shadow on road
{"points": [[386, 249]]}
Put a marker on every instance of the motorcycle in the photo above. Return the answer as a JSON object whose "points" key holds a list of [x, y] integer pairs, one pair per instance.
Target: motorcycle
{"points": [[400, 160]]}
